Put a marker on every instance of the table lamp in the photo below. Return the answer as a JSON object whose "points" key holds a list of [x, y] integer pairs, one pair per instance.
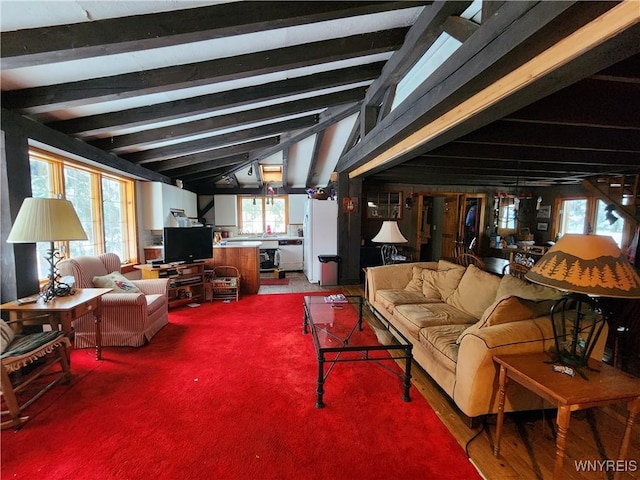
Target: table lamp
{"points": [[388, 235], [48, 220], [587, 268]]}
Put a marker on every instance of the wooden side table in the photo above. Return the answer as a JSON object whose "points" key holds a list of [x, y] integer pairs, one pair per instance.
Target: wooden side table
{"points": [[63, 310], [605, 386]]}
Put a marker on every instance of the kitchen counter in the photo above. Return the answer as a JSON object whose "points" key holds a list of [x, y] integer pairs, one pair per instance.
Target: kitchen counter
{"points": [[245, 256], [262, 239], [238, 244]]}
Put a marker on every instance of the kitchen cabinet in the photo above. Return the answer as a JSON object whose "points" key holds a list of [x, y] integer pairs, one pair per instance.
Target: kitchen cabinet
{"points": [[245, 256], [158, 201], [225, 209]]}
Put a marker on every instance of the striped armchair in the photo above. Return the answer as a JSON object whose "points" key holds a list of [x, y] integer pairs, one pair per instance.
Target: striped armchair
{"points": [[128, 319]]}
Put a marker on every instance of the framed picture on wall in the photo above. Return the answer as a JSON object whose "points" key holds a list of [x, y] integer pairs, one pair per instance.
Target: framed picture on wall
{"points": [[543, 226], [544, 211]]}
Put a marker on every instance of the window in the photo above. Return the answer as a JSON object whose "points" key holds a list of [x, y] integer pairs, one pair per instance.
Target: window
{"points": [[590, 215], [104, 203], [263, 214]]}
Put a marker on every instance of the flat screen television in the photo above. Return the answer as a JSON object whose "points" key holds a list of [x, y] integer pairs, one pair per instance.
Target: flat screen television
{"points": [[187, 244]]}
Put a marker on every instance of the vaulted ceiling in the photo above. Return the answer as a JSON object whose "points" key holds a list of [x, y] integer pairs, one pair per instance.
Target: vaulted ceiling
{"points": [[209, 92]]}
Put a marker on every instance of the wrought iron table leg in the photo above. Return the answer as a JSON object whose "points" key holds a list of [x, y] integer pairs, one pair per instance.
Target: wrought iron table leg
{"points": [[407, 380], [320, 388]]}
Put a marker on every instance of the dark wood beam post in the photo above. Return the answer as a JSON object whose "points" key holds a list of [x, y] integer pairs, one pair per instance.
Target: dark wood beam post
{"points": [[349, 230]]}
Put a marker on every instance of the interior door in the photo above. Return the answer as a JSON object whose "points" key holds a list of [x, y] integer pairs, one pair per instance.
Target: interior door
{"points": [[451, 220], [471, 227]]}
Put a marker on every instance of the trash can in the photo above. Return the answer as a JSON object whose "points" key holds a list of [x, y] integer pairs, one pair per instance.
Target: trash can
{"points": [[329, 269]]}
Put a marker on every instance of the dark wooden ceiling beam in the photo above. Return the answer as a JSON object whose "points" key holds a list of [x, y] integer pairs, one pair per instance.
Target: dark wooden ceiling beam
{"points": [[506, 40], [128, 85], [425, 30], [325, 120], [509, 167], [218, 153], [207, 125], [314, 158], [512, 132], [112, 36], [95, 125], [589, 102], [482, 152], [201, 168], [209, 143]]}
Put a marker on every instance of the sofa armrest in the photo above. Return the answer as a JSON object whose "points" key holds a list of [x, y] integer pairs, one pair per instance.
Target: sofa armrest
{"points": [[158, 286], [476, 371], [123, 300]]}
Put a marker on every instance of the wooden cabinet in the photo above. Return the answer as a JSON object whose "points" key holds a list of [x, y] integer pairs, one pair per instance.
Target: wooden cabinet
{"points": [[245, 256], [384, 205], [186, 282], [158, 201], [153, 253], [225, 209]]}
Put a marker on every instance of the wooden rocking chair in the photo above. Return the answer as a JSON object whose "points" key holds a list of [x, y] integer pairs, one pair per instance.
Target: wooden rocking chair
{"points": [[23, 359]]}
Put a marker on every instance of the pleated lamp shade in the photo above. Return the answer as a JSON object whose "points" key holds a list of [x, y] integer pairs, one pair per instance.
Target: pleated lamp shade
{"points": [[46, 220]]}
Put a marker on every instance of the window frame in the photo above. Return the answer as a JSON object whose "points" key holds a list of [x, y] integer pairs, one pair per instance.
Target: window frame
{"points": [[57, 164], [263, 199], [590, 219]]}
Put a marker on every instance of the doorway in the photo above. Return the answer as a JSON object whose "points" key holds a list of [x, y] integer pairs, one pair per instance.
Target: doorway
{"points": [[449, 224]]}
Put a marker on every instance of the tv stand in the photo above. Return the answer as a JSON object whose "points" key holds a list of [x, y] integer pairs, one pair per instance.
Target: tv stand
{"points": [[186, 280]]}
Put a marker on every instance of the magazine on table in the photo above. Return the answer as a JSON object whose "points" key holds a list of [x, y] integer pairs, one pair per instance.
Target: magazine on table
{"points": [[336, 298]]}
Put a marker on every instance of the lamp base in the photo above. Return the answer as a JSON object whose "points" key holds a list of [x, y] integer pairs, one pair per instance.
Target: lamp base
{"points": [[54, 288], [388, 253], [577, 322]]}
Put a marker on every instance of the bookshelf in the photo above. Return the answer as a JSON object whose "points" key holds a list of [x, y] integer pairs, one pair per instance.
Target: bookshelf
{"points": [[186, 281]]}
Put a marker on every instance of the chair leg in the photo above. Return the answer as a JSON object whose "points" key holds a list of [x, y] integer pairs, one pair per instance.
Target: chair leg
{"points": [[9, 393], [12, 402]]}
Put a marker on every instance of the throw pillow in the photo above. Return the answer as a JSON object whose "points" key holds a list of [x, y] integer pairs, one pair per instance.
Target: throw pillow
{"points": [[517, 287], [440, 284], [118, 282], [415, 284], [475, 292], [504, 310], [6, 336]]}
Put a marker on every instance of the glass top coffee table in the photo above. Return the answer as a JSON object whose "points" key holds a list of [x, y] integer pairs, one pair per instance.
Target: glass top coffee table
{"points": [[340, 335]]}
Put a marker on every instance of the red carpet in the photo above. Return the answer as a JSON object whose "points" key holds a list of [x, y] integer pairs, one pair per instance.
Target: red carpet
{"points": [[227, 391]]}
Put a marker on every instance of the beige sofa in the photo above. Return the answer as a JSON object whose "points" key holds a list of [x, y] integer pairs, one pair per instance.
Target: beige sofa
{"points": [[458, 318]]}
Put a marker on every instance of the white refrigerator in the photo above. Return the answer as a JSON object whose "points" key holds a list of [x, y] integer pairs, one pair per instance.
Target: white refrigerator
{"points": [[320, 234]]}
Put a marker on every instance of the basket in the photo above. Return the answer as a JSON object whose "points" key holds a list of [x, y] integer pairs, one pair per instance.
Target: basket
{"points": [[320, 196]]}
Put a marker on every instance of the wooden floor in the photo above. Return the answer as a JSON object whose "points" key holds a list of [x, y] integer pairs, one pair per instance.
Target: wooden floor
{"points": [[528, 442]]}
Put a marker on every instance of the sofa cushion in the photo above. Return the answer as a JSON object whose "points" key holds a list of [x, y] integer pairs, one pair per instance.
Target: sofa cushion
{"points": [[414, 317], [389, 299], [475, 292], [513, 286], [116, 281], [154, 302], [415, 284], [441, 283], [442, 338], [507, 310]]}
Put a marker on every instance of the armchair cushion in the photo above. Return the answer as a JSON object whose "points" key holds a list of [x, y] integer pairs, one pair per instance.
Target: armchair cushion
{"points": [[118, 282]]}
